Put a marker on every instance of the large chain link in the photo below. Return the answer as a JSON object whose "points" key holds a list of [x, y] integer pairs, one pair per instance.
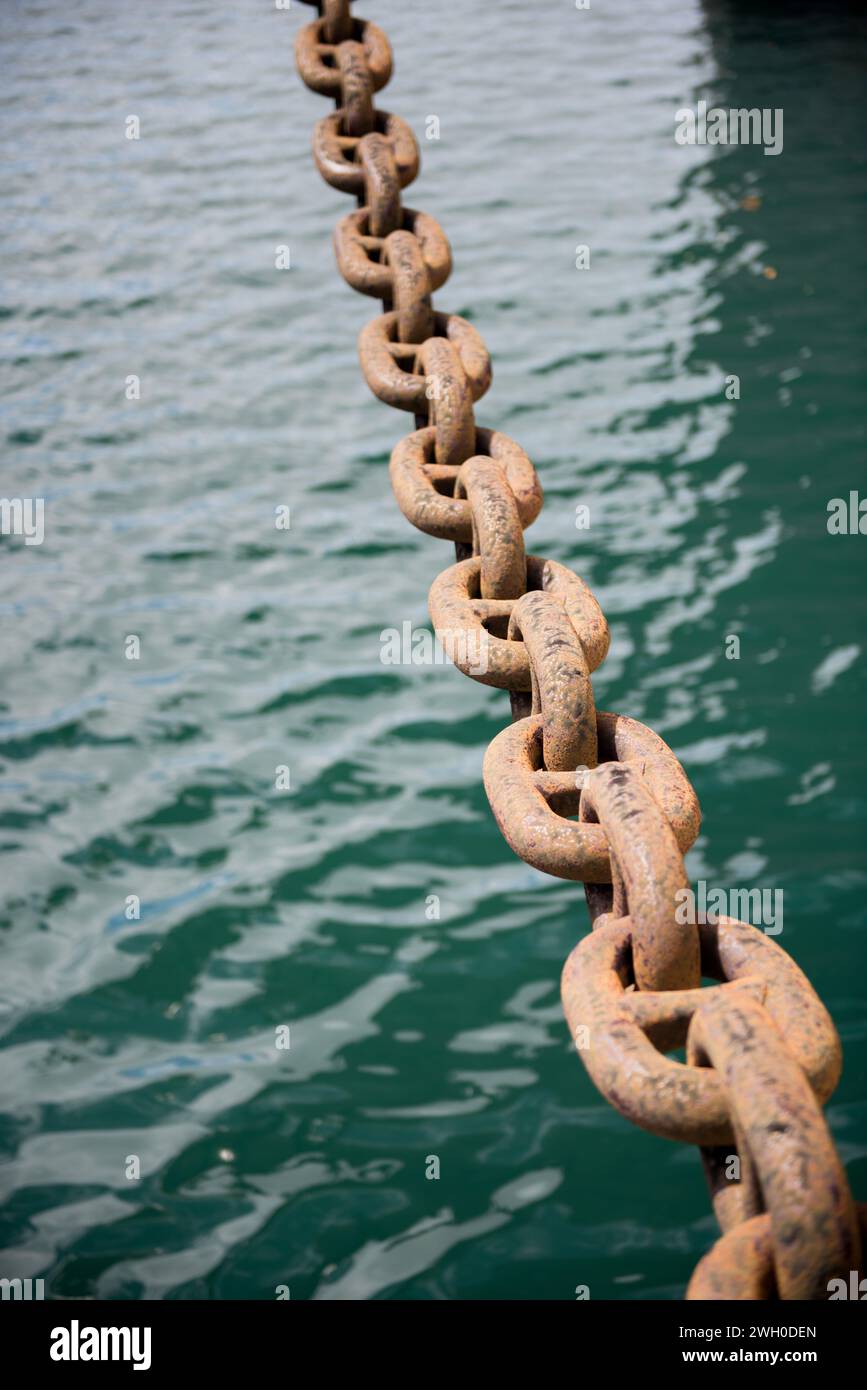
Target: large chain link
{"points": [[762, 1054]]}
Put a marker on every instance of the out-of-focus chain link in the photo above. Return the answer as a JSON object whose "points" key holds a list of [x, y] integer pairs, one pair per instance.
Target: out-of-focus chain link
{"points": [[577, 792]]}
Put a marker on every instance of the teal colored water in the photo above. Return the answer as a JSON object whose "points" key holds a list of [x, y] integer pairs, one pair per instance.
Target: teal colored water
{"points": [[260, 647]]}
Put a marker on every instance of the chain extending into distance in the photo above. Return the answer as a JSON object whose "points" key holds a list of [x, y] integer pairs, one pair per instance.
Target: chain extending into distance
{"points": [[762, 1055]]}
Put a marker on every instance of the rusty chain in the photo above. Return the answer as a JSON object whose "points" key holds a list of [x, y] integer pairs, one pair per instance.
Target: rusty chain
{"points": [[762, 1054]]}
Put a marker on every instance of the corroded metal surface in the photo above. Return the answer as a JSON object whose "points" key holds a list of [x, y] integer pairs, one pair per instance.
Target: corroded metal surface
{"points": [[628, 1031], [534, 805], [381, 353], [410, 287], [580, 793], [560, 691], [377, 158], [647, 873], [741, 1264], [357, 252], [334, 149], [498, 534], [448, 390], [313, 46], [778, 1123], [425, 490], [456, 606]]}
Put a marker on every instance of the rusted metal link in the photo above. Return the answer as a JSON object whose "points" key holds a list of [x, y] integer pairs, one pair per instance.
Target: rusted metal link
{"points": [[498, 534], [380, 353], [359, 253], [561, 692], [647, 873], [621, 1031], [449, 395], [733, 1202], [778, 1122], [411, 290], [356, 89], [337, 19], [335, 152], [425, 490], [532, 804], [381, 194], [457, 607], [741, 1265], [320, 70]]}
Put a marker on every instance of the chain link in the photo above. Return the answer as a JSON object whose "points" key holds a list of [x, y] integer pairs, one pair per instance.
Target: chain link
{"points": [[762, 1054]]}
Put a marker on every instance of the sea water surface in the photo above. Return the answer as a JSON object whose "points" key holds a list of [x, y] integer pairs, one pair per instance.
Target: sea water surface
{"points": [[411, 1037]]}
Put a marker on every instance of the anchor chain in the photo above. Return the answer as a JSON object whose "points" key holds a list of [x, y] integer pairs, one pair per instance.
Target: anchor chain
{"points": [[762, 1054]]}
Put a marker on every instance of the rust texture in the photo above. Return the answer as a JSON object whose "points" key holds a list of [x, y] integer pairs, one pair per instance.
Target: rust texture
{"points": [[741, 1263], [533, 805], [456, 605], [318, 54], [779, 1124], [628, 1031], [334, 150], [362, 260], [448, 391], [425, 490], [647, 873], [498, 535], [381, 354], [577, 792], [560, 687]]}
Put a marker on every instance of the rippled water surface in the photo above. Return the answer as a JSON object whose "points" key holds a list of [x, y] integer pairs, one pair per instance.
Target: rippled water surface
{"points": [[260, 648]]}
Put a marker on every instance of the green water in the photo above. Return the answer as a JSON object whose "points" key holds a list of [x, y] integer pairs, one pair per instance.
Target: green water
{"points": [[260, 648]]}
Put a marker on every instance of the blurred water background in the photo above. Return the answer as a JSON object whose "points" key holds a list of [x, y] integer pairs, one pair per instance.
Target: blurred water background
{"points": [[261, 647]]}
